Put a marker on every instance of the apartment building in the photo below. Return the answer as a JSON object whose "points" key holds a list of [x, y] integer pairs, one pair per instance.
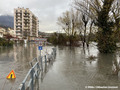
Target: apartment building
{"points": [[26, 24]]}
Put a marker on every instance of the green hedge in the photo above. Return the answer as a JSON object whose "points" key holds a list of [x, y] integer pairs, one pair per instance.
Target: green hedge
{"points": [[4, 42]]}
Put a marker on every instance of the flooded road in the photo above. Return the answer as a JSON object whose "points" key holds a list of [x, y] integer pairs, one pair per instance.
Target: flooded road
{"points": [[17, 58], [71, 70]]}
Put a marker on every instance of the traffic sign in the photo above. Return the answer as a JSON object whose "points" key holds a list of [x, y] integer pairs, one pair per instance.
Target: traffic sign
{"points": [[11, 75], [40, 47]]}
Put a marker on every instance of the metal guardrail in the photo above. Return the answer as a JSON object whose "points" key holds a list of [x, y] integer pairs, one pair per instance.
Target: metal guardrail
{"points": [[47, 58], [34, 72]]}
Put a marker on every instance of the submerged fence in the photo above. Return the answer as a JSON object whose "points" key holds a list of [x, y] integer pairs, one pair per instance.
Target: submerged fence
{"points": [[33, 74]]}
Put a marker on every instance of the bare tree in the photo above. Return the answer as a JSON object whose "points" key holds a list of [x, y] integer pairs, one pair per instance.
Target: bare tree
{"points": [[115, 14], [90, 32], [64, 22], [104, 17], [70, 23], [85, 20]]}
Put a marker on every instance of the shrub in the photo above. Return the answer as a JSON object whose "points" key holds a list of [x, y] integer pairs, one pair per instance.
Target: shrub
{"points": [[4, 42]]}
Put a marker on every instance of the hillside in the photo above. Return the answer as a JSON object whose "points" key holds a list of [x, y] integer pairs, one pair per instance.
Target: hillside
{"points": [[6, 21]]}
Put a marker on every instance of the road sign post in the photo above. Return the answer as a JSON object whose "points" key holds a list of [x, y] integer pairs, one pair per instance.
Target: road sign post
{"points": [[40, 48]]}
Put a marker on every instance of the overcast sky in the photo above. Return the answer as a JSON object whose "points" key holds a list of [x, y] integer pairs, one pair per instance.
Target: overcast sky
{"points": [[46, 10]]}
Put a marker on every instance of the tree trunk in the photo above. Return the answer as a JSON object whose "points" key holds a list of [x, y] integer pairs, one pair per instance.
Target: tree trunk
{"points": [[84, 38], [89, 36]]}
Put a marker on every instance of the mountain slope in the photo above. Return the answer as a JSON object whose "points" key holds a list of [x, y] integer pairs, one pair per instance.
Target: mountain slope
{"points": [[7, 21]]}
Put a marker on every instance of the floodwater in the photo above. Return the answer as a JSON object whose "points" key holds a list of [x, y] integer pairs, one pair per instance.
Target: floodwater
{"points": [[71, 69], [17, 58]]}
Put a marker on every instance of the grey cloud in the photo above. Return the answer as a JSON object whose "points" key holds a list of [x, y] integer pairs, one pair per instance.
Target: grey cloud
{"points": [[46, 10]]}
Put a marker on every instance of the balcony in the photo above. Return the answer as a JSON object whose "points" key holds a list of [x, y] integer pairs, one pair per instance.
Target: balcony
{"points": [[26, 22], [19, 18], [18, 31], [26, 28], [18, 12], [26, 15], [18, 21], [18, 26], [26, 18], [26, 25]]}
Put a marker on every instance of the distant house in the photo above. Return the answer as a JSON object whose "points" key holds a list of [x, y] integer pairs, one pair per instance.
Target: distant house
{"points": [[2, 31], [1, 34], [11, 32]]}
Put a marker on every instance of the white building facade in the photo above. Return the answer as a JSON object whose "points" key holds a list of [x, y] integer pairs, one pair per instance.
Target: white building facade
{"points": [[26, 24]]}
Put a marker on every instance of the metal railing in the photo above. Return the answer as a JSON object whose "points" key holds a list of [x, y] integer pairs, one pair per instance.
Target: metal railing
{"points": [[33, 73], [47, 58]]}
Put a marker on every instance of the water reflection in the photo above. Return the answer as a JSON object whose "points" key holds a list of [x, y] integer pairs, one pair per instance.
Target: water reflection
{"points": [[45, 67], [36, 87], [17, 58], [73, 71], [116, 65], [24, 53]]}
